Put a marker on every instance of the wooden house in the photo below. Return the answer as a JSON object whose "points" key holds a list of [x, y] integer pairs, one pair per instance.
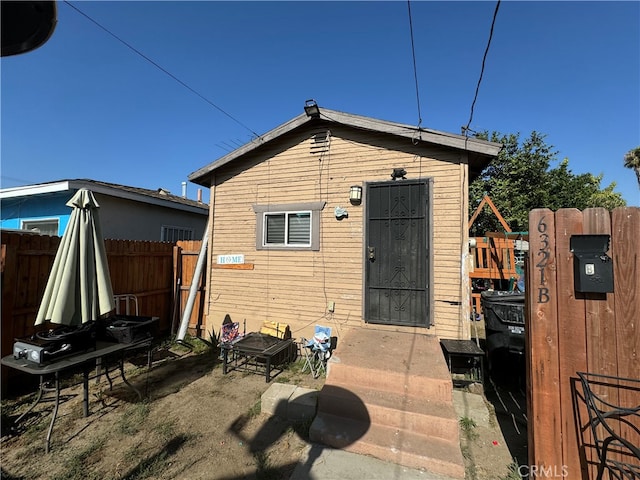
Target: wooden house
{"points": [[343, 220]]}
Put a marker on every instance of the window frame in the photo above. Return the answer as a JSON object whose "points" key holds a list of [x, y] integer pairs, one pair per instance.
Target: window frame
{"points": [[313, 208], [42, 221]]}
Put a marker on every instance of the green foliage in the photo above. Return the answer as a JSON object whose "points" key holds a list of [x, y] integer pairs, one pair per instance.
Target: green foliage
{"points": [[632, 161], [522, 178], [468, 426], [513, 472], [76, 467], [134, 417]]}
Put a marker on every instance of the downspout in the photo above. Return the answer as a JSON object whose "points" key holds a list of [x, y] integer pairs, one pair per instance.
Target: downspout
{"points": [[195, 283]]}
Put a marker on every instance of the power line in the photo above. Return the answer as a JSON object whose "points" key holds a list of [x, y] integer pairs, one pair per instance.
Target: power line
{"points": [[161, 68], [415, 71], [484, 58]]}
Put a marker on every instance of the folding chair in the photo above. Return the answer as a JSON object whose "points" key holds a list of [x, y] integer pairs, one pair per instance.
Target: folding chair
{"points": [[229, 334], [318, 350]]}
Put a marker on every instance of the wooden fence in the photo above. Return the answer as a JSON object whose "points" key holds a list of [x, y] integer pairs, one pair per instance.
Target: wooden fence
{"points": [[185, 259], [569, 332], [493, 260], [148, 270]]}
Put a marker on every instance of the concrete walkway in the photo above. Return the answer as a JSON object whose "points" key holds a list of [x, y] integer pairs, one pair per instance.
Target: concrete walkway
{"points": [[325, 463]]}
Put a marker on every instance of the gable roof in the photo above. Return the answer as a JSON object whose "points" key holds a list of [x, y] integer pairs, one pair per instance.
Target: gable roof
{"points": [[158, 197], [481, 152]]}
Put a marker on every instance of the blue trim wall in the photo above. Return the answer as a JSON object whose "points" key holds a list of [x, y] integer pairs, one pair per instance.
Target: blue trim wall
{"points": [[14, 211]]}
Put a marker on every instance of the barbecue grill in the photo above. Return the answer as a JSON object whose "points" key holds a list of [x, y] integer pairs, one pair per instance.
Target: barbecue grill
{"points": [[56, 343]]}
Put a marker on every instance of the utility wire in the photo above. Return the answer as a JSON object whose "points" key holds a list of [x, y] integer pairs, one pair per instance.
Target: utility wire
{"points": [[415, 71], [484, 59], [162, 69]]}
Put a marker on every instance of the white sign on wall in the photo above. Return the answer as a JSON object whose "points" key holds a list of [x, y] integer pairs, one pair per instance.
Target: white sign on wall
{"points": [[233, 259]]}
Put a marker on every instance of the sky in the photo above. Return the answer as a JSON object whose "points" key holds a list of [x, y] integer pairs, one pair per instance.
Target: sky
{"points": [[84, 105]]}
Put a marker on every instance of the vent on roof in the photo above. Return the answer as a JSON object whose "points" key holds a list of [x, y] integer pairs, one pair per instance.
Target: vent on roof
{"points": [[162, 191], [320, 141]]}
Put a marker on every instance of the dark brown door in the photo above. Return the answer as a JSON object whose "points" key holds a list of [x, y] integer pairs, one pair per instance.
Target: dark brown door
{"points": [[397, 253]]}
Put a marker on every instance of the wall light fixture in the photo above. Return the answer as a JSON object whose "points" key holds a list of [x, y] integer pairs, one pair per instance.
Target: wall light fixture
{"points": [[355, 195]]}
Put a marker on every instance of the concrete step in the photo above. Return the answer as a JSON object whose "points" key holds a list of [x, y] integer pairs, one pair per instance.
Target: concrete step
{"points": [[436, 388], [402, 447], [421, 415]]}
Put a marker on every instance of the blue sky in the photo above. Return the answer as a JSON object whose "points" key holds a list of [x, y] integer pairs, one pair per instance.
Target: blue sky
{"points": [[85, 106]]}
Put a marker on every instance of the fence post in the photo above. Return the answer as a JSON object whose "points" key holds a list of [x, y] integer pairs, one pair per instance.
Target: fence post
{"points": [[545, 436]]}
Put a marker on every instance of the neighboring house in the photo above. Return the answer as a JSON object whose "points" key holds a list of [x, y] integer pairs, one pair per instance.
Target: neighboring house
{"points": [[289, 245], [127, 213]]}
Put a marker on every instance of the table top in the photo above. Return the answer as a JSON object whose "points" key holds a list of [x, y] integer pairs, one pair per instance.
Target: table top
{"points": [[102, 349], [258, 343], [461, 347]]}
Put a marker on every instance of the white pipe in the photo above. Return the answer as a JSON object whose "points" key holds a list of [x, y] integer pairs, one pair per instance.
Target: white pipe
{"points": [[193, 290]]}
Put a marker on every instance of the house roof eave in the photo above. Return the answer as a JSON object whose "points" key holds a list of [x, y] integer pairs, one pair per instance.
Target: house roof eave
{"points": [[482, 150], [113, 190]]}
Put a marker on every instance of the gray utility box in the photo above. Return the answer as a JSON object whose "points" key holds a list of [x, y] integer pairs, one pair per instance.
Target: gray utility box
{"points": [[592, 267]]}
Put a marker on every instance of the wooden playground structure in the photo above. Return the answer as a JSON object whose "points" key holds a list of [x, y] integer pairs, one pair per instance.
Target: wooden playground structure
{"points": [[495, 261]]}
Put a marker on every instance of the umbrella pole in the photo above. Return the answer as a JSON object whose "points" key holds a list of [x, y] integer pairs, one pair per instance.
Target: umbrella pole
{"points": [[195, 283]]}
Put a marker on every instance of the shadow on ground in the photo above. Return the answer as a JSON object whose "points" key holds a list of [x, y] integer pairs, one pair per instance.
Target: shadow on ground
{"points": [[505, 389]]}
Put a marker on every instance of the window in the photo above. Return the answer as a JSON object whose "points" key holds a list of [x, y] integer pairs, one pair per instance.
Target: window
{"points": [[288, 227], [43, 227], [173, 234]]}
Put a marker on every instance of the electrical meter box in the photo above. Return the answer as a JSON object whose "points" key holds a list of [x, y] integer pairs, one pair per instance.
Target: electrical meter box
{"points": [[592, 267]]}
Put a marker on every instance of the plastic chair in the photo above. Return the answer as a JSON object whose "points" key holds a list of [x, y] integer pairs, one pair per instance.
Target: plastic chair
{"points": [[318, 350]]}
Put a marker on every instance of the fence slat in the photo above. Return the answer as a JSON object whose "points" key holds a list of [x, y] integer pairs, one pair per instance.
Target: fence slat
{"points": [[626, 257], [571, 336], [544, 388]]}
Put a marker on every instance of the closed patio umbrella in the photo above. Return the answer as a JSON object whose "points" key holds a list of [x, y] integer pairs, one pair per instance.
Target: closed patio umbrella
{"points": [[79, 286]]}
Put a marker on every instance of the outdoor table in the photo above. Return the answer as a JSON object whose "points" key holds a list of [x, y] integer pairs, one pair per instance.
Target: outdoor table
{"points": [[255, 351], [87, 360]]}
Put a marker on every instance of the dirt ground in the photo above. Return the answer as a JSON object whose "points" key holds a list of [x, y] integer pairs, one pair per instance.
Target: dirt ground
{"points": [[194, 423]]}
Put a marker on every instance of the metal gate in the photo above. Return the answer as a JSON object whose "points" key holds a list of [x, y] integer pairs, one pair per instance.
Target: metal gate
{"points": [[397, 250]]}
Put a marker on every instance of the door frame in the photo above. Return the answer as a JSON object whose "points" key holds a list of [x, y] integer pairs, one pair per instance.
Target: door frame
{"points": [[429, 257]]}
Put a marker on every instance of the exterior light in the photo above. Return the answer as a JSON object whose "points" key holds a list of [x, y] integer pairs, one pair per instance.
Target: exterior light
{"points": [[311, 109], [355, 195], [399, 173]]}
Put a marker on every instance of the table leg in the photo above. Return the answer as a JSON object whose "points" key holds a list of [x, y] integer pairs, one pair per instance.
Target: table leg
{"points": [[268, 368], [36, 401], [124, 379], [54, 414], [85, 391], [225, 356]]}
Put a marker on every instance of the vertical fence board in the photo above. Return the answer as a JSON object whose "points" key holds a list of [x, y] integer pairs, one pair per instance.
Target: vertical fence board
{"points": [[571, 335], [626, 256], [600, 321], [9, 283], [601, 351], [543, 378], [626, 246]]}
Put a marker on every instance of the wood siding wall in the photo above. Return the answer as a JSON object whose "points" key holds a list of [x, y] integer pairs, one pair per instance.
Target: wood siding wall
{"points": [[295, 286], [569, 332]]}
